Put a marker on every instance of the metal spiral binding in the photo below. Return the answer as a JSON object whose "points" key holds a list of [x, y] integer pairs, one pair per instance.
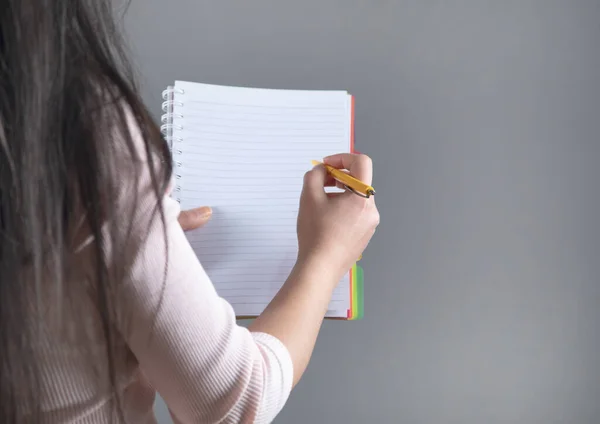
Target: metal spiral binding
{"points": [[167, 127]]}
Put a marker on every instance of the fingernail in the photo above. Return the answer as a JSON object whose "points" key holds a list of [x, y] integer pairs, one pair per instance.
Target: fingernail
{"points": [[205, 212]]}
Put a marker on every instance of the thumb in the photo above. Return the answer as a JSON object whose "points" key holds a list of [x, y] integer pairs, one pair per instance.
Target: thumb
{"points": [[314, 182], [194, 218]]}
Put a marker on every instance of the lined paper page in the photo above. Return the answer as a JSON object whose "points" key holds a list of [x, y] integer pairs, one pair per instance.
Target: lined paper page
{"points": [[244, 152]]}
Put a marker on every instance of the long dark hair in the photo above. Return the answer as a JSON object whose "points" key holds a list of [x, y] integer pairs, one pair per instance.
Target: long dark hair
{"points": [[67, 99]]}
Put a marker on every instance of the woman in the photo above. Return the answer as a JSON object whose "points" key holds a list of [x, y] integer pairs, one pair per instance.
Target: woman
{"points": [[102, 300]]}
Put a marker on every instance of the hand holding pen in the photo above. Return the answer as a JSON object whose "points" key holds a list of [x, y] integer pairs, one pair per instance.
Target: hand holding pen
{"points": [[336, 227]]}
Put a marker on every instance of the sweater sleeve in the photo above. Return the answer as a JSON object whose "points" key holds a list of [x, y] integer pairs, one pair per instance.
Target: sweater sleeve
{"points": [[186, 339]]}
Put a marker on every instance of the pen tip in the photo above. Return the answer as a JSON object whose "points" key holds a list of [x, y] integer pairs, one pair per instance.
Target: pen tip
{"points": [[315, 162]]}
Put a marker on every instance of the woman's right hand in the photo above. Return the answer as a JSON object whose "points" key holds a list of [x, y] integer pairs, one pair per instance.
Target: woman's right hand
{"points": [[334, 229]]}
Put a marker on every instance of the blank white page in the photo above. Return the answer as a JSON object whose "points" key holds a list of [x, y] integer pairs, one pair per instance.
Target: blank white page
{"points": [[244, 152]]}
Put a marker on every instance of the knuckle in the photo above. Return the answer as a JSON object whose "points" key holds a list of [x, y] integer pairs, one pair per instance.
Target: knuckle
{"points": [[366, 160], [375, 217], [307, 176]]}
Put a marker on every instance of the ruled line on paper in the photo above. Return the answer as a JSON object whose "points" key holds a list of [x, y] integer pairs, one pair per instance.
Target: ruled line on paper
{"points": [[233, 144], [208, 126], [259, 104], [249, 205], [262, 109]]}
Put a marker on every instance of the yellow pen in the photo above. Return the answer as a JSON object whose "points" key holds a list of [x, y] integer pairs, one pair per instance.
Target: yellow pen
{"points": [[352, 184]]}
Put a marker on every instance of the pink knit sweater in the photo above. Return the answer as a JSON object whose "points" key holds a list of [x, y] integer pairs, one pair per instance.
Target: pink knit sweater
{"points": [[183, 342]]}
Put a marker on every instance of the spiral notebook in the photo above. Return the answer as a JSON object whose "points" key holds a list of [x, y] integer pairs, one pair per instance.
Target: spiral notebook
{"points": [[244, 151]]}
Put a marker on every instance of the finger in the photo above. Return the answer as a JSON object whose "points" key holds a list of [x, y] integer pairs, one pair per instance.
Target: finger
{"points": [[194, 218], [359, 166], [332, 182], [314, 182], [341, 160]]}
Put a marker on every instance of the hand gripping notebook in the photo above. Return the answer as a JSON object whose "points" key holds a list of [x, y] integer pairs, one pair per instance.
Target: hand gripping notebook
{"points": [[244, 152]]}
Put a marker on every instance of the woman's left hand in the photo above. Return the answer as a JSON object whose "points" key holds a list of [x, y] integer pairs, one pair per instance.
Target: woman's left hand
{"points": [[194, 218]]}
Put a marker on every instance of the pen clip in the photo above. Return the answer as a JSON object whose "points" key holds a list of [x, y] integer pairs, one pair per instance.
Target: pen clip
{"points": [[366, 196]]}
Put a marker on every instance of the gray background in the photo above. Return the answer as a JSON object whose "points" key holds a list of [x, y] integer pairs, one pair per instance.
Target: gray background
{"points": [[483, 121]]}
